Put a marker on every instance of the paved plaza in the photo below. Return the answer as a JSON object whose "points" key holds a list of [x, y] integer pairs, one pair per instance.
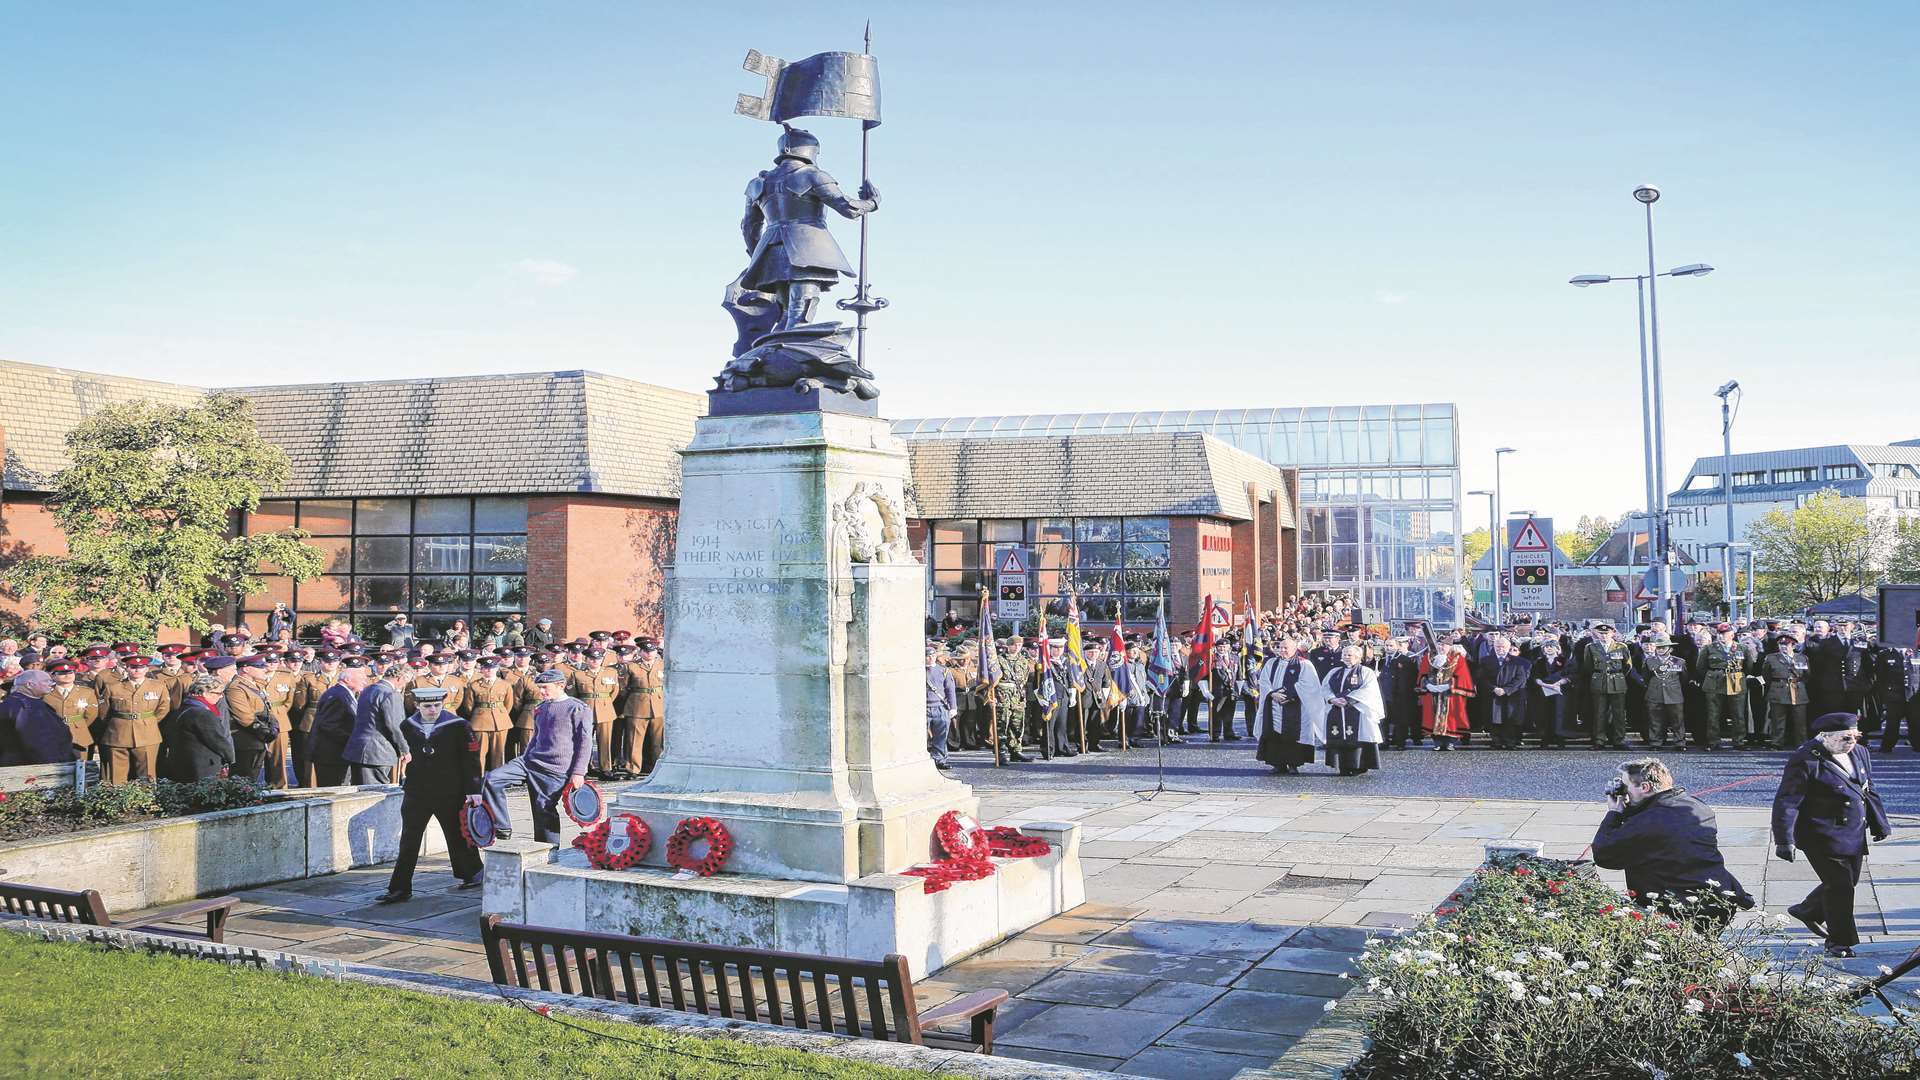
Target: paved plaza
{"points": [[1217, 926]]}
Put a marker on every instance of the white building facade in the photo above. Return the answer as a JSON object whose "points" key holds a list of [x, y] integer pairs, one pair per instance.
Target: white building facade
{"points": [[1885, 477]]}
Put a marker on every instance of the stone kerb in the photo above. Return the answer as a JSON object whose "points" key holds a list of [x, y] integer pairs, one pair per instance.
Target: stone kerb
{"points": [[150, 863]]}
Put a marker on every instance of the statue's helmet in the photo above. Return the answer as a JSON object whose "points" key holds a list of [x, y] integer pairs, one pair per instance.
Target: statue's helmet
{"points": [[798, 144]]}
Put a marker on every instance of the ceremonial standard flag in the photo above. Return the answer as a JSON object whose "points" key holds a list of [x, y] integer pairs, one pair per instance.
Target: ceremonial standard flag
{"points": [[986, 639], [1047, 693], [1161, 666], [1119, 646], [1201, 659], [1075, 655]]}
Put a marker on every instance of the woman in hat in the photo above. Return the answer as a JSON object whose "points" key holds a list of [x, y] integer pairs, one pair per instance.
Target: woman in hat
{"points": [[1826, 806]]}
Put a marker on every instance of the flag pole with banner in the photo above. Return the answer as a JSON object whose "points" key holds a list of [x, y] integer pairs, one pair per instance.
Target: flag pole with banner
{"points": [[1077, 661], [987, 673]]}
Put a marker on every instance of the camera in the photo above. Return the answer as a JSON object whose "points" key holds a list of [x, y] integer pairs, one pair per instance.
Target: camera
{"points": [[1617, 789]]}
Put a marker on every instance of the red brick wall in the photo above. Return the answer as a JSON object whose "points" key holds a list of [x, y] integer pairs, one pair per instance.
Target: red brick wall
{"points": [[1272, 585], [27, 527], [1218, 550], [596, 562]]}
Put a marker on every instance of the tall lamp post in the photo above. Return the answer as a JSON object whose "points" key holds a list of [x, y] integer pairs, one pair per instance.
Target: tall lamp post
{"points": [[1493, 546], [1652, 402], [1499, 539], [1727, 399]]}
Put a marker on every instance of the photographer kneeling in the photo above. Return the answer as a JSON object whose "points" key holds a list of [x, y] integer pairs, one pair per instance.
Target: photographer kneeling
{"points": [[1669, 844]]}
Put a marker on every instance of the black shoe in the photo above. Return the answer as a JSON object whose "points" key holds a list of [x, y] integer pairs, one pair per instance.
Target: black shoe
{"points": [[1018, 756], [473, 882], [1067, 753], [1840, 952], [503, 834], [1231, 738], [1808, 921], [943, 766], [391, 897]]}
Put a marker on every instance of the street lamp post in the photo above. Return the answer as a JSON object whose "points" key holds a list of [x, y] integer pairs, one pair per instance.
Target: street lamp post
{"points": [[1498, 539], [1725, 394], [1493, 548], [1652, 401]]}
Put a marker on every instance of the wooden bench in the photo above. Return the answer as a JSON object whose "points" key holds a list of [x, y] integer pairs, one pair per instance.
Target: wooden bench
{"points": [[86, 908], [786, 989]]}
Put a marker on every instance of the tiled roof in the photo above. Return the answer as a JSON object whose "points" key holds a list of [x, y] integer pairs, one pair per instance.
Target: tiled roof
{"points": [[550, 432], [1175, 473]]}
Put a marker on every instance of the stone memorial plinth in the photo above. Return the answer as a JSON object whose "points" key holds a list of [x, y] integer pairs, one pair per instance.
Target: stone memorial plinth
{"points": [[796, 717]]}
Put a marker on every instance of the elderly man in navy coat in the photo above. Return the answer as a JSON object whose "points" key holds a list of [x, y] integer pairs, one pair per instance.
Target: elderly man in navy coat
{"points": [[1826, 806], [555, 761], [378, 744], [31, 732]]}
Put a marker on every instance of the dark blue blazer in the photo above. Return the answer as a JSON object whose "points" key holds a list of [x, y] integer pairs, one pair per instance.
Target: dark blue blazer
{"points": [[1821, 810]]}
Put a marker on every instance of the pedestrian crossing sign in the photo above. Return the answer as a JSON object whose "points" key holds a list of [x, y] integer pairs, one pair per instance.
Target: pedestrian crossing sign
{"points": [[1013, 560]]}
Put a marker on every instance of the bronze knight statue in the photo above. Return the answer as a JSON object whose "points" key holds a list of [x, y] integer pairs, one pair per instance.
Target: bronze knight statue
{"points": [[793, 259]]}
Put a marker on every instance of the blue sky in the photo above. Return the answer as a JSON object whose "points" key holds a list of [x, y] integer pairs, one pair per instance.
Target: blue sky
{"points": [[1087, 206]]}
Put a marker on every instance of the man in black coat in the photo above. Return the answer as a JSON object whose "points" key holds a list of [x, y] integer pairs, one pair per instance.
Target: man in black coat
{"points": [[1826, 655], [444, 771], [1399, 677], [1506, 687], [1668, 842], [333, 723], [196, 741], [1826, 806], [31, 732]]}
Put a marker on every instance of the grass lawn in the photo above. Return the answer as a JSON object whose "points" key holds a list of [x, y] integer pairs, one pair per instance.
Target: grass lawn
{"points": [[75, 1010]]}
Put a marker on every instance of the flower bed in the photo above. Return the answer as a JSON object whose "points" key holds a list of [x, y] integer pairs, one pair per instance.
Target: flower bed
{"points": [[26, 815], [1534, 971]]}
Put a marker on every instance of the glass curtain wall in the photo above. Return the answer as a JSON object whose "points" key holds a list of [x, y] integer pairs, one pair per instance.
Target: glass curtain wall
{"points": [[1379, 488], [1115, 565], [437, 559]]}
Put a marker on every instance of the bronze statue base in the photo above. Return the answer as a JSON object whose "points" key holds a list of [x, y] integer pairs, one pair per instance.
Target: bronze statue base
{"points": [[786, 399]]}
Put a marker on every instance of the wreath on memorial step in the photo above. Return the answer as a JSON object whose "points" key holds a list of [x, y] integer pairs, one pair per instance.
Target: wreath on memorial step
{"points": [[693, 831], [970, 851], [618, 843], [477, 825]]}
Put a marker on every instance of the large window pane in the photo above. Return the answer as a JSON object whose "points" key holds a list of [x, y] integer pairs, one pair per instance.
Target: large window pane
{"points": [[1315, 563], [1346, 562], [499, 553], [442, 594], [372, 628], [1148, 528], [1100, 555], [1141, 609], [500, 592], [1097, 581], [380, 555], [1149, 554], [379, 593], [275, 590], [335, 551], [442, 516], [271, 517], [1316, 527], [1008, 530], [956, 556], [1052, 556], [1146, 582], [1439, 442], [956, 582], [323, 595], [1047, 530], [1096, 529], [500, 515], [382, 517], [1099, 608], [441, 554], [1346, 526], [327, 517], [960, 531]]}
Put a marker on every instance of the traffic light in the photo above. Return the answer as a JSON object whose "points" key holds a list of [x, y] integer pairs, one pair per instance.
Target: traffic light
{"points": [[1013, 592]]}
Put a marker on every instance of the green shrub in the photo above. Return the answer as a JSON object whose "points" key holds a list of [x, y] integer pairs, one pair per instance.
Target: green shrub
{"points": [[220, 793], [1534, 971], [38, 813]]}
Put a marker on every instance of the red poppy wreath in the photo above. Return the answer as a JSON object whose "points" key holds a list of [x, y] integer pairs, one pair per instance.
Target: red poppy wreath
{"points": [[618, 843], [960, 836], [691, 832]]}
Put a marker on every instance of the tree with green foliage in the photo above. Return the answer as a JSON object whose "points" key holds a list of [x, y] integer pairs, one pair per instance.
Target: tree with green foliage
{"points": [[148, 507], [1828, 547], [1903, 564], [1585, 537]]}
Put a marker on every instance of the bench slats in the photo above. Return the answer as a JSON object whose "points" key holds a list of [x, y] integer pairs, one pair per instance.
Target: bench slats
{"points": [[86, 908], [806, 1001]]}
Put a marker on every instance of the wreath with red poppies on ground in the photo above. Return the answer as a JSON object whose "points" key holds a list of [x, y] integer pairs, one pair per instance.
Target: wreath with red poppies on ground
{"points": [[466, 825], [618, 843], [970, 850], [693, 831]]}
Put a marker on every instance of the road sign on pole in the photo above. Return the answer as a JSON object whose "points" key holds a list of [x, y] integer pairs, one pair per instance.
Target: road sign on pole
{"points": [[1011, 574], [1530, 559]]}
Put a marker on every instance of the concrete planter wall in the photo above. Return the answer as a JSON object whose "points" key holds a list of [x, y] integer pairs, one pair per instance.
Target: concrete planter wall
{"points": [[151, 863]]}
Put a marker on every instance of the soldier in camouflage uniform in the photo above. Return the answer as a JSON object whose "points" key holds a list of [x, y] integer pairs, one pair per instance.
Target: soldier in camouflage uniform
{"points": [[1722, 668], [1604, 662], [1010, 697]]}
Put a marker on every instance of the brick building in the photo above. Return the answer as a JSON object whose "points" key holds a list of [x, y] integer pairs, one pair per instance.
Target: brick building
{"points": [[458, 498], [556, 494], [1116, 519]]}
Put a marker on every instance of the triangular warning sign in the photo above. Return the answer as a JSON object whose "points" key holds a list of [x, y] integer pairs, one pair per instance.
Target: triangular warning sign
{"points": [[1529, 538], [1012, 563]]}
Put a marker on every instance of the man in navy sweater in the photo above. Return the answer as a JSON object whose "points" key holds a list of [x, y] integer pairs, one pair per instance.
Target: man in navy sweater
{"points": [[555, 761]]}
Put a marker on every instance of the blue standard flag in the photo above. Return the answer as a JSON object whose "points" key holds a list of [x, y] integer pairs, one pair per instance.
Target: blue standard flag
{"points": [[1161, 665]]}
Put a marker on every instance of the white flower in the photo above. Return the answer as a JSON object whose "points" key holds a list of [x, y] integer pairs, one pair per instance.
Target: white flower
{"points": [[1885, 970], [1581, 965], [1596, 991], [1388, 992], [1328, 1007], [1726, 974], [1712, 882], [1542, 999], [1344, 975], [1631, 982], [1373, 983], [1745, 1061], [1518, 992], [1696, 1006]]}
